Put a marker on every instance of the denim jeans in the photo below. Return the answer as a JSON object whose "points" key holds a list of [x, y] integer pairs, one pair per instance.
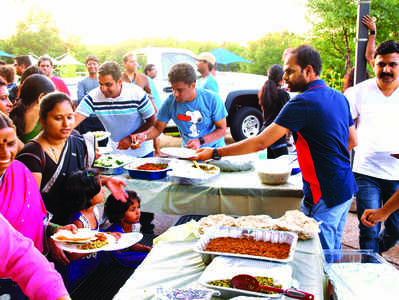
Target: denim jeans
{"points": [[374, 193], [333, 221]]}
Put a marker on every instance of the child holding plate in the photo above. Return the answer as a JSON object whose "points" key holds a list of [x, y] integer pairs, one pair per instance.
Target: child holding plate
{"points": [[85, 191], [125, 217]]}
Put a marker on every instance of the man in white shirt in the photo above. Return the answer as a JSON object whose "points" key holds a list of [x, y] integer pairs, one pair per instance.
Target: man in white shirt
{"points": [[122, 108], [374, 106]]}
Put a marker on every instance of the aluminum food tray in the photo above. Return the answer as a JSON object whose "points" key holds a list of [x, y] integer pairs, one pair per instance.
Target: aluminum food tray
{"points": [[147, 174], [258, 234], [223, 267]]}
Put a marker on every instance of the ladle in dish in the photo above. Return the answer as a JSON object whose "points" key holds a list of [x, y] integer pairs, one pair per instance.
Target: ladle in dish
{"points": [[250, 283], [196, 164]]}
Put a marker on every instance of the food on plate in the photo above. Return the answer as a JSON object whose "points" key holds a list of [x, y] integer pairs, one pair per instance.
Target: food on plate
{"points": [[268, 281], [101, 241], [135, 146], [82, 235], [215, 220], [99, 134], [297, 221], [153, 166], [205, 167], [259, 221], [108, 161], [249, 246]]}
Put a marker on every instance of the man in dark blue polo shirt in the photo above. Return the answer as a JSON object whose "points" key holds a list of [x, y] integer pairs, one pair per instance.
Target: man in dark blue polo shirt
{"points": [[323, 130]]}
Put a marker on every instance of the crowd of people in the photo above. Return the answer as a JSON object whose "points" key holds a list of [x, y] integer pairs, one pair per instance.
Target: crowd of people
{"points": [[44, 152]]}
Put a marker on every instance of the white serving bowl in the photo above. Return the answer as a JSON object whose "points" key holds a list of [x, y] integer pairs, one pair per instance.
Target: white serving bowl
{"points": [[273, 171]]}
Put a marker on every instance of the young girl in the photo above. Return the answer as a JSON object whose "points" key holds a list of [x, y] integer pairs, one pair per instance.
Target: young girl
{"points": [[84, 191], [125, 217]]}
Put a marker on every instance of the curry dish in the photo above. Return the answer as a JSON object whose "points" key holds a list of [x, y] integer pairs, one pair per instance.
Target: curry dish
{"points": [[249, 246]]}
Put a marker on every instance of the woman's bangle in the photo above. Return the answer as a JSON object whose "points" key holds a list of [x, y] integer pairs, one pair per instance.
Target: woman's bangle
{"points": [[51, 228]]}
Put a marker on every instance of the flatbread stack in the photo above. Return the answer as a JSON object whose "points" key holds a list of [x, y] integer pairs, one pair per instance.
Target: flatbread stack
{"points": [[259, 221], [215, 220], [83, 235], [296, 221]]}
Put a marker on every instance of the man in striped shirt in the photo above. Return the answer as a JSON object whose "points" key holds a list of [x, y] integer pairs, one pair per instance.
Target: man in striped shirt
{"points": [[123, 109]]}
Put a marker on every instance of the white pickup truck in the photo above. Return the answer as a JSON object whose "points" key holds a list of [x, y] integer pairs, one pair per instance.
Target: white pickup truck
{"points": [[239, 91]]}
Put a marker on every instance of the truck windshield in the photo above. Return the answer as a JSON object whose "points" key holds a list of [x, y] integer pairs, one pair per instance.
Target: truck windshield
{"points": [[169, 59]]}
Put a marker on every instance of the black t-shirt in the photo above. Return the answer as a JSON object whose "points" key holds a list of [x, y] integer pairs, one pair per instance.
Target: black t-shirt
{"points": [[272, 112]]}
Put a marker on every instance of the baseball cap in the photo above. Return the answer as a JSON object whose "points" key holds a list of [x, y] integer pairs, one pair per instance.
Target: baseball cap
{"points": [[207, 56]]}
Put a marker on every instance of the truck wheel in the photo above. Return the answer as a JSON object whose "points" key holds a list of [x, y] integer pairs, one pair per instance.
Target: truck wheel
{"points": [[246, 122]]}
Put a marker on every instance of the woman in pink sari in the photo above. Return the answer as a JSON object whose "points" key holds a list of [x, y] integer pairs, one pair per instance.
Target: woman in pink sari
{"points": [[21, 203]]}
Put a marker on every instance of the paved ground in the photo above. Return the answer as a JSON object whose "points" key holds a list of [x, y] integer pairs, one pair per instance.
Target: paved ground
{"points": [[350, 238]]}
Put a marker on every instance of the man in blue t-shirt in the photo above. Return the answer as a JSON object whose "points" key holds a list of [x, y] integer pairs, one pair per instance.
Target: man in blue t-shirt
{"points": [[323, 129], [205, 65], [91, 123], [200, 115]]}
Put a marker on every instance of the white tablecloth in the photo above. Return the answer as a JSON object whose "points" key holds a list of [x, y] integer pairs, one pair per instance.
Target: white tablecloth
{"points": [[233, 193], [175, 264]]}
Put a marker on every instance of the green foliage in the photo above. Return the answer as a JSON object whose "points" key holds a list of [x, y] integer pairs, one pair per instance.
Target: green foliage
{"points": [[334, 31], [333, 78], [268, 50], [333, 34], [38, 34]]}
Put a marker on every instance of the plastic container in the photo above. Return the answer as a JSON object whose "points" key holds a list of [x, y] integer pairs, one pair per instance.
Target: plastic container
{"points": [[360, 275], [147, 174], [273, 171]]}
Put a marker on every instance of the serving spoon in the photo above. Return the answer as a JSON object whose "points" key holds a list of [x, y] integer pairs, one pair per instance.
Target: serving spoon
{"points": [[250, 283], [196, 164]]}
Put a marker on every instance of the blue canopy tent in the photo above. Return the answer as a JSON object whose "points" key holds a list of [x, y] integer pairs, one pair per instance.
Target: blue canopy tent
{"points": [[2, 53], [225, 57]]}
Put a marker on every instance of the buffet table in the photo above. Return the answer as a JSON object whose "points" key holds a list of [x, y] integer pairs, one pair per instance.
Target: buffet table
{"points": [[176, 265], [232, 193]]}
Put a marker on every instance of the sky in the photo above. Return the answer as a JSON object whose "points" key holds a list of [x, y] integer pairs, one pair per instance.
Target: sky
{"points": [[113, 21]]}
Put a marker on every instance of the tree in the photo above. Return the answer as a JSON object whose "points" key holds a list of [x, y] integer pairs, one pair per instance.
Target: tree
{"points": [[38, 34], [334, 29], [268, 50]]}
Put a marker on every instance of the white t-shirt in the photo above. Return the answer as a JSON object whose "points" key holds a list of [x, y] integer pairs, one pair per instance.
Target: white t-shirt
{"points": [[120, 116], [378, 125]]}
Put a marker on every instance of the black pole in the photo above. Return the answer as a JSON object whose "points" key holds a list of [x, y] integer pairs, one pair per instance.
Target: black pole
{"points": [[363, 9]]}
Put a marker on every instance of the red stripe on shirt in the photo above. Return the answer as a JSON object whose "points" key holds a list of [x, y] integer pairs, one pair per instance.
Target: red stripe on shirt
{"points": [[183, 118], [307, 167]]}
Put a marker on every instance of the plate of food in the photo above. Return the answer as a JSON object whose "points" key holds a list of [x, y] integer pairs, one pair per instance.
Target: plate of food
{"points": [[89, 241], [178, 152], [83, 235], [99, 135], [193, 174]]}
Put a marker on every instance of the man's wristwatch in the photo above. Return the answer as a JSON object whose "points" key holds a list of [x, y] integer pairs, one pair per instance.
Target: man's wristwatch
{"points": [[372, 32], [201, 140], [215, 154]]}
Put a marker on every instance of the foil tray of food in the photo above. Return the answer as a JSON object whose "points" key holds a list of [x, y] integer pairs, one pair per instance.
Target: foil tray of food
{"points": [[218, 274], [278, 246]]}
